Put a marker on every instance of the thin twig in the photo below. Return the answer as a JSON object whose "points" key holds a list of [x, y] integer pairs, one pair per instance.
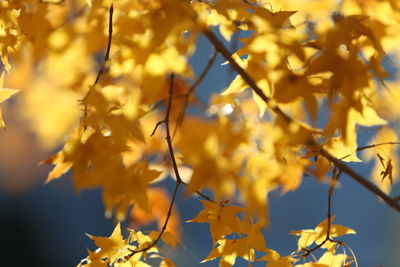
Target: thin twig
{"points": [[376, 145], [371, 146], [201, 194], [166, 122], [155, 241], [203, 74], [335, 177], [192, 88], [311, 142], [361, 180], [352, 253], [105, 59], [178, 177], [169, 140], [245, 76]]}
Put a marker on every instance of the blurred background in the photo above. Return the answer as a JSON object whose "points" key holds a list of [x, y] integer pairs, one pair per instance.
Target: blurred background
{"points": [[45, 224]]}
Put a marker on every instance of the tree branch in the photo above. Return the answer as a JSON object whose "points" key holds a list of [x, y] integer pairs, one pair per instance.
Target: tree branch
{"points": [[219, 46], [172, 156], [192, 88], [361, 180], [371, 146], [175, 167], [105, 59], [335, 177], [376, 145]]}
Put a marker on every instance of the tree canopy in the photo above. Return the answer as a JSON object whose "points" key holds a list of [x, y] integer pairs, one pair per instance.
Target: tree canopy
{"points": [[110, 85]]}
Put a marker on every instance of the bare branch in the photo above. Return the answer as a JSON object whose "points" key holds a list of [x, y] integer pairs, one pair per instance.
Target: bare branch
{"points": [[105, 59], [361, 180], [245, 76], [178, 178], [155, 241], [169, 140], [371, 146], [376, 145], [192, 88], [201, 194], [335, 177]]}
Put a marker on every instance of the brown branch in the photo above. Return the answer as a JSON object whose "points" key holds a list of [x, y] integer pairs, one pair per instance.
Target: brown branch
{"points": [[178, 178], [371, 146], [360, 179], [376, 145], [311, 142], [169, 140], [335, 177], [203, 73], [175, 167], [201, 194], [105, 59], [192, 88], [155, 241], [166, 122], [219, 46]]}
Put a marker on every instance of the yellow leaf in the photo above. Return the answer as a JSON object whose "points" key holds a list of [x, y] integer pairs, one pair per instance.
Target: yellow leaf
{"points": [[61, 167], [110, 247], [5, 94], [229, 250], [333, 260], [336, 147], [222, 218], [274, 259], [167, 262], [159, 202], [318, 234]]}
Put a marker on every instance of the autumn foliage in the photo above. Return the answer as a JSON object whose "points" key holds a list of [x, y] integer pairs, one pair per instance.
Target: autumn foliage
{"points": [[110, 81]]}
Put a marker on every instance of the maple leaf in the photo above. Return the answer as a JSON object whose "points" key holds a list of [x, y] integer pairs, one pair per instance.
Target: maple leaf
{"points": [[274, 259], [61, 167], [336, 147], [325, 54], [215, 159], [5, 94], [318, 234], [112, 247], [388, 168], [363, 115], [292, 86], [386, 158], [245, 247], [257, 70], [376, 66], [328, 259], [9, 31], [222, 218], [167, 262], [114, 250], [229, 250], [158, 206], [279, 19]]}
